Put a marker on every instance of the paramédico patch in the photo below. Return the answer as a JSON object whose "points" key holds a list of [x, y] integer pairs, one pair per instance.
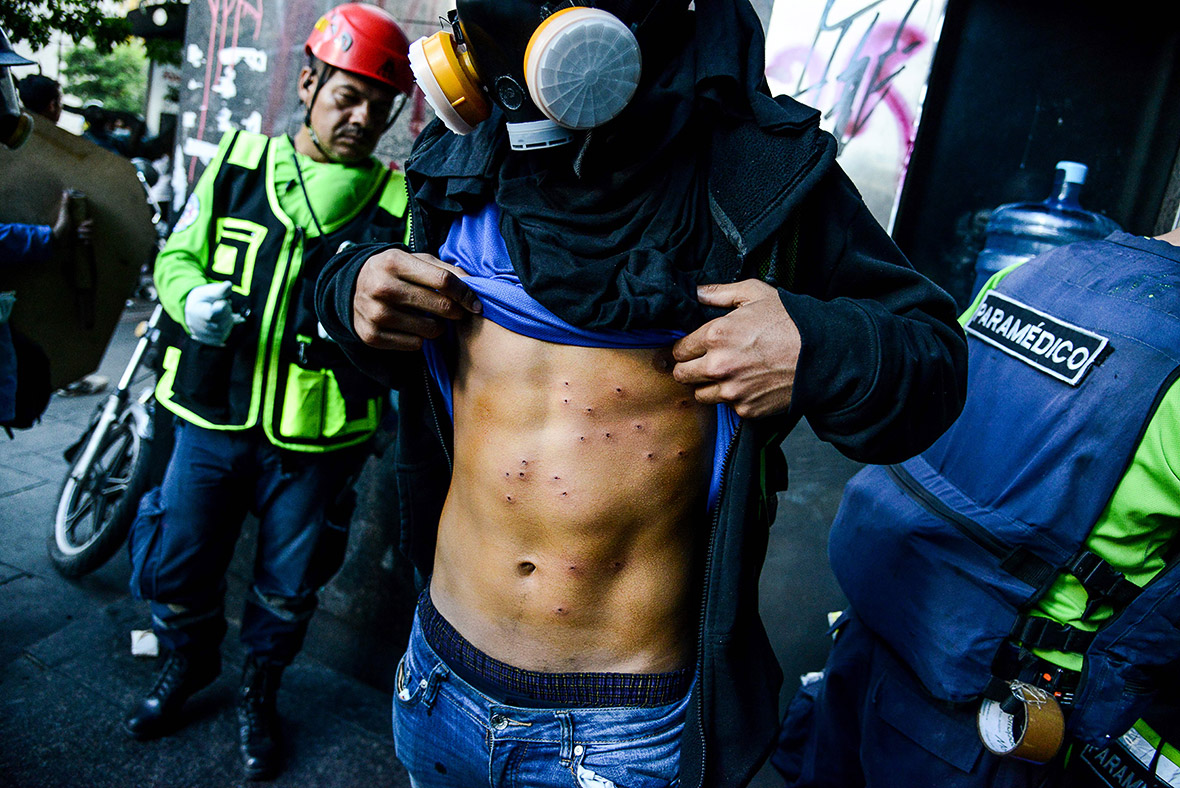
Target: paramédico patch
{"points": [[1059, 349]]}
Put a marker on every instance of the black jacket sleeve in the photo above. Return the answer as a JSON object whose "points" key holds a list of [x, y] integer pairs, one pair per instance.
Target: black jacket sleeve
{"points": [[883, 368], [334, 292]]}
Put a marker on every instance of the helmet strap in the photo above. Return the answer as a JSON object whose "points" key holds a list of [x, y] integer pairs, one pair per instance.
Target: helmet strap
{"points": [[398, 111], [324, 75]]}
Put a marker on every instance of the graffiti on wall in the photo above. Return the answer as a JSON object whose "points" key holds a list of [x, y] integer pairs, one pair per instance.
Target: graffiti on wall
{"points": [[864, 64], [241, 61], [219, 61]]}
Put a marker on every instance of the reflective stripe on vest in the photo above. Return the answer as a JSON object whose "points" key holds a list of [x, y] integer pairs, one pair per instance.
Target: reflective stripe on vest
{"points": [[275, 371]]}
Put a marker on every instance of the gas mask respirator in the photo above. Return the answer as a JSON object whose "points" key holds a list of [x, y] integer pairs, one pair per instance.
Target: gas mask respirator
{"points": [[15, 125], [551, 67]]}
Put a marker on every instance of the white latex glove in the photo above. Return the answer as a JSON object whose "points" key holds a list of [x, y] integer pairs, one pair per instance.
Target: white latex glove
{"points": [[208, 313]]}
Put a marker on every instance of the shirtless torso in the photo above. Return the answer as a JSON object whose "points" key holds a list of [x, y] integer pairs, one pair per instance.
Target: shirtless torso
{"points": [[567, 540]]}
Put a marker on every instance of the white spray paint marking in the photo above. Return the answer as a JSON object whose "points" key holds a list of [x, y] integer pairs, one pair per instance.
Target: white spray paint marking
{"points": [[253, 122], [226, 86], [253, 59], [205, 151], [225, 120]]}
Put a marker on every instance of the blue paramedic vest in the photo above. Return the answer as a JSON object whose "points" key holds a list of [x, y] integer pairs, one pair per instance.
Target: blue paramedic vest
{"points": [[945, 554]]}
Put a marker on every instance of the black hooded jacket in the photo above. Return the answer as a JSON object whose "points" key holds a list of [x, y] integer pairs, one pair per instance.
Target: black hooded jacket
{"points": [[881, 374]]}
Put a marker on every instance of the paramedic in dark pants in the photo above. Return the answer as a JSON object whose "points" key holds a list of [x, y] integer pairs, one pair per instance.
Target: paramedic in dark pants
{"points": [[1026, 562], [272, 419]]}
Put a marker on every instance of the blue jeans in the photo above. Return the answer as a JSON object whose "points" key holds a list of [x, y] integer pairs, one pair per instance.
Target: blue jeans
{"points": [[450, 735], [185, 531]]}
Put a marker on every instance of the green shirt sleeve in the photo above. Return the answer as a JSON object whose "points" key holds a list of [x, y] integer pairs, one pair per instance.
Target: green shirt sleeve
{"points": [[990, 284], [180, 266]]}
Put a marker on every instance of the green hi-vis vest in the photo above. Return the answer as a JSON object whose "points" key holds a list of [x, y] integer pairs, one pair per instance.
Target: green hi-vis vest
{"points": [[275, 371]]}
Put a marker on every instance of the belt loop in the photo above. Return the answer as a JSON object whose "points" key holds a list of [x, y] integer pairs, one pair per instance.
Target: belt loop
{"points": [[438, 675], [567, 737]]}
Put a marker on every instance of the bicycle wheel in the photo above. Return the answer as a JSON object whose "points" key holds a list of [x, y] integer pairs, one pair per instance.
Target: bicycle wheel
{"points": [[94, 512]]}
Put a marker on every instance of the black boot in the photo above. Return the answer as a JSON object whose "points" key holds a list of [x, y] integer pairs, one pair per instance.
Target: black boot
{"points": [[179, 676], [260, 738]]}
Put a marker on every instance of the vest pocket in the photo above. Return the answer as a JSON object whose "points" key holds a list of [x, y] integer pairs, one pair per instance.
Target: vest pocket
{"points": [[312, 405]]}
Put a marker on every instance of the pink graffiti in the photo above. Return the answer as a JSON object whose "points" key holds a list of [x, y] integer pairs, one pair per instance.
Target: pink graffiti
{"points": [[850, 92], [225, 22]]}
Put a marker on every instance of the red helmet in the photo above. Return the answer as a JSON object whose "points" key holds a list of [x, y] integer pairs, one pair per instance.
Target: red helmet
{"points": [[365, 40]]}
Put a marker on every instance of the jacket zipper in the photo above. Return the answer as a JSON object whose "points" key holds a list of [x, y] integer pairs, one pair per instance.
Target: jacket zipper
{"points": [[709, 546], [413, 224], [437, 424]]}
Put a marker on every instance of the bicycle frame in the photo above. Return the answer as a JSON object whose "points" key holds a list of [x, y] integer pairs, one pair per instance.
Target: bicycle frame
{"points": [[117, 401]]}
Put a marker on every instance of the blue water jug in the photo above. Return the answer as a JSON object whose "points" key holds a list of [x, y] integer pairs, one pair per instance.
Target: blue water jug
{"points": [[1021, 230]]}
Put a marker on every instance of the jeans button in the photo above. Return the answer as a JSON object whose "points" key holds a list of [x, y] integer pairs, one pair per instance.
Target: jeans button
{"points": [[499, 722]]}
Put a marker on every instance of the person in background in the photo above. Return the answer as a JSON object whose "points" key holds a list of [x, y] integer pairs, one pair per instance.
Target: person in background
{"points": [[271, 417], [118, 132], [42, 95]]}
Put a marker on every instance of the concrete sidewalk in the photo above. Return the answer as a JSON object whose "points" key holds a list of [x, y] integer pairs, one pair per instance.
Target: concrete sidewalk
{"points": [[64, 698], [67, 676]]}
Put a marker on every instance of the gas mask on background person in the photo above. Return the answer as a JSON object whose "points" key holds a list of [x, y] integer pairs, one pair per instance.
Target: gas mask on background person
{"points": [[15, 124], [552, 67]]}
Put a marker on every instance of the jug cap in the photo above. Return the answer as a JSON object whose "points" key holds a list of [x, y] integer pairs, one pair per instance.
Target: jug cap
{"points": [[1075, 172]]}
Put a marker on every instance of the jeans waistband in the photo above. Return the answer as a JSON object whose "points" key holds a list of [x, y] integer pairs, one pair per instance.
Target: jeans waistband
{"points": [[572, 690]]}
